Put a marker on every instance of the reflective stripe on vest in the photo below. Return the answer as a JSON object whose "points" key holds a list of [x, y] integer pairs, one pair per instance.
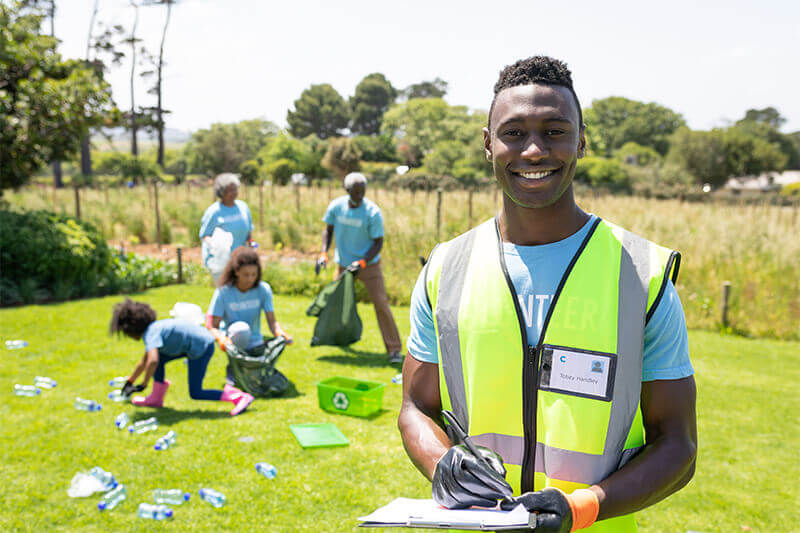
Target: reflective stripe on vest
{"points": [[476, 312]]}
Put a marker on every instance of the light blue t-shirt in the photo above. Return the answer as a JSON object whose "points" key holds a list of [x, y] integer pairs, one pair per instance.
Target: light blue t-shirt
{"points": [[177, 337], [234, 305], [354, 229], [235, 219], [535, 272]]}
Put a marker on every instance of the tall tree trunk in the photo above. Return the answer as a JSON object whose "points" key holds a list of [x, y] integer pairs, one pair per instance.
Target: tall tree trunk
{"points": [[86, 153], [159, 109], [134, 147], [58, 178]]}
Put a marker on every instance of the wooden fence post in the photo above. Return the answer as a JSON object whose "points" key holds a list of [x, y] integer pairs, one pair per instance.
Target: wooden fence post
{"points": [[180, 265], [438, 213], [77, 203], [469, 211], [55, 199], [261, 205], [158, 218], [726, 293], [297, 197]]}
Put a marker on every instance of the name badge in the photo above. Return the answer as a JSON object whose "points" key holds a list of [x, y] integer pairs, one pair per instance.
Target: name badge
{"points": [[577, 372]]}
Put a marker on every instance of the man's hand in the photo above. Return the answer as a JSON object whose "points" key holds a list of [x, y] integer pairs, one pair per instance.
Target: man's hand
{"points": [[355, 266], [322, 262], [556, 511], [461, 480]]}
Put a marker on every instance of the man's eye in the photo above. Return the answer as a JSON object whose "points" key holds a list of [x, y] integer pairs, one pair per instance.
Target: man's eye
{"points": [[555, 132], [512, 133]]}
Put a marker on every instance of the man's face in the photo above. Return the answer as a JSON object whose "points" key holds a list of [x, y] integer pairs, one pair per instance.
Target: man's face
{"points": [[534, 143], [356, 193]]}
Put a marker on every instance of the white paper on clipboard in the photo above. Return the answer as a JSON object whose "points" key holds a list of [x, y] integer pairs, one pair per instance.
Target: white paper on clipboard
{"points": [[408, 512]]}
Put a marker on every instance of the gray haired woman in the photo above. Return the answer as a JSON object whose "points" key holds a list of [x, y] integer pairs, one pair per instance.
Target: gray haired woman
{"points": [[228, 214]]}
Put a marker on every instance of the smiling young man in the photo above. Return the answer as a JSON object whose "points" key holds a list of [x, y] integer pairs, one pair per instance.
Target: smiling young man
{"points": [[556, 338]]}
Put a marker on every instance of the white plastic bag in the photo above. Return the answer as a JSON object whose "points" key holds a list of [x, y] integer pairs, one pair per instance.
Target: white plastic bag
{"points": [[83, 485], [188, 313], [219, 251]]}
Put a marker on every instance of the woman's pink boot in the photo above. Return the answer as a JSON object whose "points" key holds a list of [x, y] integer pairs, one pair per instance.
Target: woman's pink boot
{"points": [[240, 400], [156, 396]]}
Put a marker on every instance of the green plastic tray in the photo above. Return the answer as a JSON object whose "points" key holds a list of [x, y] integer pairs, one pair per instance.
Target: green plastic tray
{"points": [[348, 396], [318, 435]]}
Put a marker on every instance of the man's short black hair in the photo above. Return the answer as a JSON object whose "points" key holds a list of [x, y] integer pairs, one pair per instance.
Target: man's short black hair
{"points": [[536, 69]]}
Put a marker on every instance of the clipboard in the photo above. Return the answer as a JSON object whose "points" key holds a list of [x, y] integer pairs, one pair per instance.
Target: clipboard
{"points": [[407, 512]]}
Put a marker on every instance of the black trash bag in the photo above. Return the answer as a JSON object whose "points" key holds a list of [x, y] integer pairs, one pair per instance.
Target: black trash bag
{"points": [[338, 323], [254, 370]]}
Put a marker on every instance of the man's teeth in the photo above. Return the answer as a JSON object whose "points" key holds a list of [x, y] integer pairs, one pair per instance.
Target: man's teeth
{"points": [[535, 175]]}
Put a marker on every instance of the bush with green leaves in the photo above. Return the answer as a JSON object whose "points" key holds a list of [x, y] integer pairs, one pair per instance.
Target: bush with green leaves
{"points": [[602, 172]]}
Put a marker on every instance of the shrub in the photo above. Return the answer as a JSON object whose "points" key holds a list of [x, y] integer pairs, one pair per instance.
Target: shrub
{"points": [[603, 173], [41, 248]]}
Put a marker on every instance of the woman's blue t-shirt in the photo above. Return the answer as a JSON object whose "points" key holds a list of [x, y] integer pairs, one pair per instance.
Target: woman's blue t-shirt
{"points": [[535, 272], [233, 305], [235, 219]]}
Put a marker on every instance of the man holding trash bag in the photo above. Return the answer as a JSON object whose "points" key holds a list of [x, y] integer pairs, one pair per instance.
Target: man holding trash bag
{"points": [[356, 223], [557, 339]]}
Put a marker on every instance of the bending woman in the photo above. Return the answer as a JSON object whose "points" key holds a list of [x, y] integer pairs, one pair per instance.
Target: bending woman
{"points": [[240, 298], [165, 341]]}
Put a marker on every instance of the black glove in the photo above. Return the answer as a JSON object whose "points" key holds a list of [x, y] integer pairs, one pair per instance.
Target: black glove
{"points": [[462, 480], [554, 515], [129, 388]]}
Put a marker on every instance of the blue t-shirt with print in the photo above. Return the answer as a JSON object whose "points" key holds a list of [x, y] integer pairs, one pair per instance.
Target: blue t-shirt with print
{"points": [[535, 272], [235, 219], [177, 337], [354, 228], [234, 305]]}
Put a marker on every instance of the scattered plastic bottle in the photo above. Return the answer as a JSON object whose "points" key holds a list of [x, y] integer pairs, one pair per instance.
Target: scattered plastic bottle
{"points": [[118, 381], [148, 424], [398, 379], [154, 512], [106, 478], [170, 496], [253, 244], [166, 441], [26, 390], [266, 470], [122, 420], [112, 498], [45, 382], [16, 344], [117, 396], [87, 405], [215, 498]]}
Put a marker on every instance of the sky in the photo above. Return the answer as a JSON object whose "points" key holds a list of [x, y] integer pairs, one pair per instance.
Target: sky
{"points": [[231, 60]]}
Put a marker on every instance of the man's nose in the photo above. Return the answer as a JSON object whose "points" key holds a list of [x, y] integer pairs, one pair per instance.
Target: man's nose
{"points": [[535, 147]]}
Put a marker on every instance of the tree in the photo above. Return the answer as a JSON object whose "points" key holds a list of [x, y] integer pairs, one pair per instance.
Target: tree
{"points": [[612, 122], [421, 123], [282, 156], [426, 89], [47, 103], [342, 157], [376, 147], [224, 147], [635, 154], [717, 155], [132, 40], [157, 88], [768, 115], [373, 96], [765, 123], [319, 110]]}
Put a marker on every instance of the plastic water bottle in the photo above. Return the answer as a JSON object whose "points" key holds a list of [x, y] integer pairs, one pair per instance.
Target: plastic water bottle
{"points": [[148, 424], [26, 390], [215, 498], [398, 379], [87, 405], [44, 382], [171, 496], [155, 512], [122, 420], [166, 441], [253, 244], [106, 478], [16, 344], [266, 470], [118, 381], [117, 396], [112, 498]]}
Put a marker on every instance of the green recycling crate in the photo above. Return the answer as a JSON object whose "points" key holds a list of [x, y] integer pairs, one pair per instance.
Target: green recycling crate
{"points": [[348, 396]]}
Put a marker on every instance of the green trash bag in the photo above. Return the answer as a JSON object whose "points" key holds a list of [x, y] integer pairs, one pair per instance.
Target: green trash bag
{"points": [[338, 323], [254, 370]]}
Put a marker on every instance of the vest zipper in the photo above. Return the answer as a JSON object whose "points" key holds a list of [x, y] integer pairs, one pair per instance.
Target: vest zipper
{"points": [[530, 384]]}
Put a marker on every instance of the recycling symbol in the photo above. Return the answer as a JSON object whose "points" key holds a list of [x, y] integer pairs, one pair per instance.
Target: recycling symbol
{"points": [[340, 401]]}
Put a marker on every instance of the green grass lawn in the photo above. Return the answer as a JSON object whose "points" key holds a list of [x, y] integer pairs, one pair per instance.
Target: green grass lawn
{"points": [[746, 473]]}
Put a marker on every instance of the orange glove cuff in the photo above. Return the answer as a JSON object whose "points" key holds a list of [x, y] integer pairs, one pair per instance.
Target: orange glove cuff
{"points": [[324, 256], [362, 263], [585, 506]]}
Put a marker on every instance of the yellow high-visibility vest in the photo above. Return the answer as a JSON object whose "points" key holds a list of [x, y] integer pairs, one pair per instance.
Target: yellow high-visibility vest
{"points": [[562, 410]]}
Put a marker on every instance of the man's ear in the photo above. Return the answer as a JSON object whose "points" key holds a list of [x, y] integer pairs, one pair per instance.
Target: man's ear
{"points": [[487, 144], [582, 141]]}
